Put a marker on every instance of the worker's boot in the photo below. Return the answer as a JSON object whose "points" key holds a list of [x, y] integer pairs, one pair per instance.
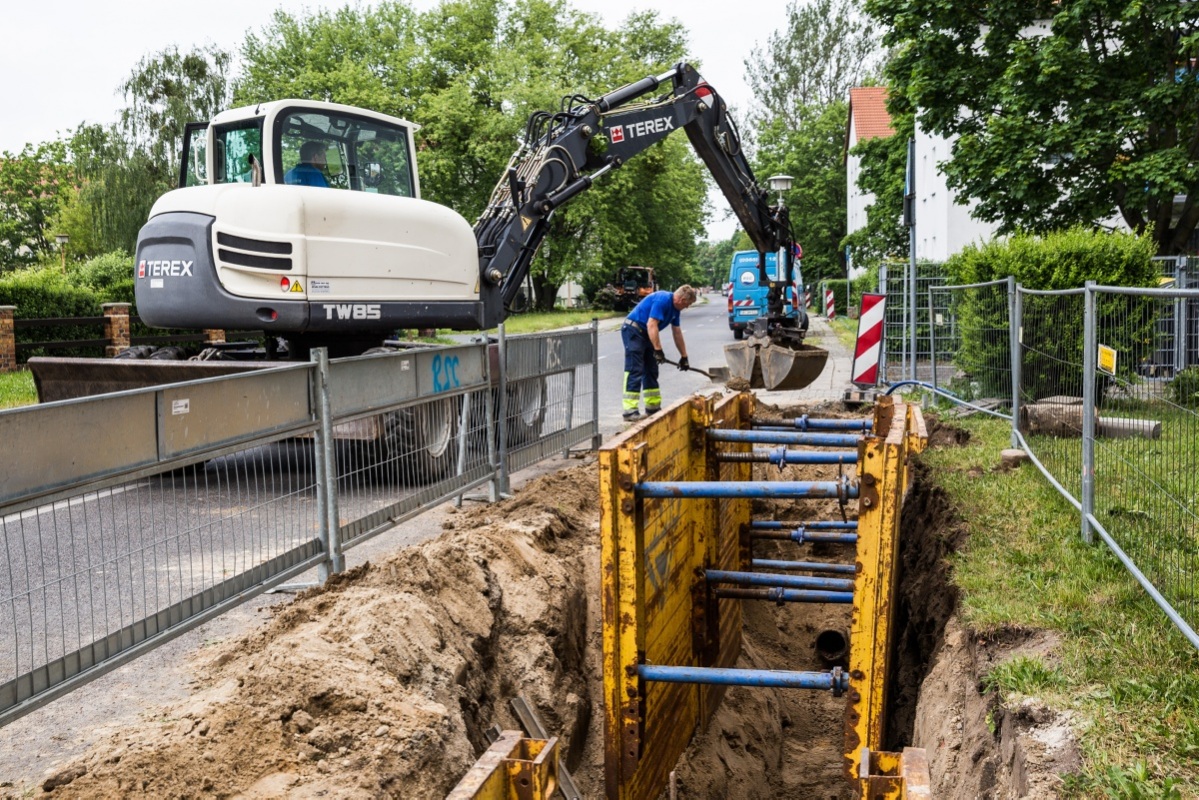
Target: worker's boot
{"points": [[632, 416]]}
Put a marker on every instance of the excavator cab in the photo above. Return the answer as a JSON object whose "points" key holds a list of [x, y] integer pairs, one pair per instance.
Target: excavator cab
{"points": [[304, 219]]}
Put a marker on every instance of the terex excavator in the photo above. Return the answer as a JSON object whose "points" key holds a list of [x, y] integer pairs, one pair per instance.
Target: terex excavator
{"points": [[241, 246]]}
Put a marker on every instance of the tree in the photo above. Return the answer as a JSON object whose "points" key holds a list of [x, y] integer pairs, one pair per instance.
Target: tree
{"points": [[812, 152], [166, 91], [1063, 112], [117, 183], [33, 187], [825, 49]]}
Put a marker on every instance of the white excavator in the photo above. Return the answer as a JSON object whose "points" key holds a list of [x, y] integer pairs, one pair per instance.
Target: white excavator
{"points": [[344, 253]]}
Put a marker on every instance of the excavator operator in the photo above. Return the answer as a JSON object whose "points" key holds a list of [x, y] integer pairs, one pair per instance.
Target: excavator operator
{"points": [[641, 333], [311, 169]]}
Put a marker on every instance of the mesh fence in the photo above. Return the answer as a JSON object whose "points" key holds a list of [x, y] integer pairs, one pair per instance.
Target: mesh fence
{"points": [[89, 578], [1146, 443], [1051, 381], [898, 354], [970, 343]]}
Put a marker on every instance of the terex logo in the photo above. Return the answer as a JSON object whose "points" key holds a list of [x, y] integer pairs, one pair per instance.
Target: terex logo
{"points": [[353, 311], [160, 269], [618, 133]]}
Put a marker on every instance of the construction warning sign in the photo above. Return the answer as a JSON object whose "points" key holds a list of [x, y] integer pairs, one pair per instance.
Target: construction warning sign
{"points": [[1107, 359]]}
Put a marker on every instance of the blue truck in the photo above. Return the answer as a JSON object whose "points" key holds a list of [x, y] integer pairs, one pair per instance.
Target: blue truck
{"points": [[747, 298]]}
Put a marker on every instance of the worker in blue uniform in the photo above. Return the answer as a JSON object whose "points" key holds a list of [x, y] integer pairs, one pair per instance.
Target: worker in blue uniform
{"points": [[642, 336], [311, 169]]}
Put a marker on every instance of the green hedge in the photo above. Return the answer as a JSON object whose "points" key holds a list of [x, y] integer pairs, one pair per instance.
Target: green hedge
{"points": [[43, 292], [1065, 260]]}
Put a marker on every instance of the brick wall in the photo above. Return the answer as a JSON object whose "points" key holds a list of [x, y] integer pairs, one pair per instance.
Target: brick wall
{"points": [[8, 340], [116, 328]]}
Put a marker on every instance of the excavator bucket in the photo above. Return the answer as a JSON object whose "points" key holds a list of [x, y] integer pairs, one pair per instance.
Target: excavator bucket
{"points": [[763, 365]]}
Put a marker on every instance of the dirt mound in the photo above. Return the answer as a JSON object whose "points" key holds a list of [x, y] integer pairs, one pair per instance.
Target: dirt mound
{"points": [[382, 682]]}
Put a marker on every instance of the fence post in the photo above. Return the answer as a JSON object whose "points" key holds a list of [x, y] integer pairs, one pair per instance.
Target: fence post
{"points": [[1180, 316], [932, 342], [489, 414], [598, 438], [882, 350], [1089, 345], [1015, 324], [326, 470], [116, 328], [502, 416], [8, 339]]}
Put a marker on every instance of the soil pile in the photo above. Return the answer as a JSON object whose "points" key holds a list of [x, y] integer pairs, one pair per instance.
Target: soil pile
{"points": [[382, 682]]}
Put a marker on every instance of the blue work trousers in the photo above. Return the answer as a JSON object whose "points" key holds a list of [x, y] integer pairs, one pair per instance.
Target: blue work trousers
{"points": [[640, 370]]}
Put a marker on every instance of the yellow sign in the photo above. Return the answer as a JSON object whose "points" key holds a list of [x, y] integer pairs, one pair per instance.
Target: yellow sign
{"points": [[525, 222], [1107, 359], [296, 287]]}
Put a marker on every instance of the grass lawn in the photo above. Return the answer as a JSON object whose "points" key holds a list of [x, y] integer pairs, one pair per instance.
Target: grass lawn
{"points": [[538, 321], [16, 389], [846, 330], [1124, 672]]}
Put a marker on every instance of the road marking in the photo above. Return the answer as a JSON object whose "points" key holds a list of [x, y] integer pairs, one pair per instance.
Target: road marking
{"points": [[65, 504]]}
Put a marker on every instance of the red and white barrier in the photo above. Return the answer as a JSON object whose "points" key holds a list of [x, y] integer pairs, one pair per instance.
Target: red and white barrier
{"points": [[870, 340], [807, 299], [830, 309]]}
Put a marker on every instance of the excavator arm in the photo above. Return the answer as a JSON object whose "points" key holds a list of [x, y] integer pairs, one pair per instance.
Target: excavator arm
{"points": [[563, 154]]}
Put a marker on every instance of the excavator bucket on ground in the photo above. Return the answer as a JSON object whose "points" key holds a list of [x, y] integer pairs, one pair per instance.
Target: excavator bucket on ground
{"points": [[765, 365]]}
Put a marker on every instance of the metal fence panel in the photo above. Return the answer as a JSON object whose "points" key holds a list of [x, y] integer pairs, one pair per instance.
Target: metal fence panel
{"points": [[190, 498], [896, 360], [87, 581], [970, 343], [1146, 446], [549, 397]]}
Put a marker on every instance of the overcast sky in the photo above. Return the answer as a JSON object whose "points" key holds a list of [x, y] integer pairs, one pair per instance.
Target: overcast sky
{"points": [[62, 60]]}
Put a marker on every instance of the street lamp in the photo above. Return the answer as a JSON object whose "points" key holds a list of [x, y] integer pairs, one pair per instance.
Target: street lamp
{"points": [[62, 240], [780, 184]]}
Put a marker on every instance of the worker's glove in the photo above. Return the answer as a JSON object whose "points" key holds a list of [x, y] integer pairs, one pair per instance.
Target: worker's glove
{"points": [[660, 356], [684, 364]]}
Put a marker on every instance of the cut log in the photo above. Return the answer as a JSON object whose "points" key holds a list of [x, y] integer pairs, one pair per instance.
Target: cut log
{"points": [[1052, 419], [1064, 420], [1120, 428]]}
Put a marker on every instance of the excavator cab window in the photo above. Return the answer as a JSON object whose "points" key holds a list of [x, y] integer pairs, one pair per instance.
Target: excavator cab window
{"points": [[234, 144], [193, 169], [362, 154]]}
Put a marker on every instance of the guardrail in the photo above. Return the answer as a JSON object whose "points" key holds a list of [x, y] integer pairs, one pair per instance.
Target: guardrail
{"points": [[130, 518]]}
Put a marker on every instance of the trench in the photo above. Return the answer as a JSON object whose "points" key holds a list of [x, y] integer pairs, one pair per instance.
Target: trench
{"points": [[385, 682]]}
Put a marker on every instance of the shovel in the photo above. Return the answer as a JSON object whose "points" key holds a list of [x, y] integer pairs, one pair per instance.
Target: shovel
{"points": [[718, 374]]}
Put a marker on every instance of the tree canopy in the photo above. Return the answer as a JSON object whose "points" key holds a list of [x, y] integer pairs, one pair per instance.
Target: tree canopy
{"points": [[34, 185], [801, 79], [826, 48], [1064, 111]]}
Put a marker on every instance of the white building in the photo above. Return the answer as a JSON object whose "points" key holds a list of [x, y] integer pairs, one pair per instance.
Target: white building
{"points": [[868, 119], [943, 225]]}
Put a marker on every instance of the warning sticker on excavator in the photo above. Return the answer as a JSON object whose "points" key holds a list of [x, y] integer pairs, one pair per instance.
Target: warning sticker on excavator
{"points": [[296, 287], [525, 222]]}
